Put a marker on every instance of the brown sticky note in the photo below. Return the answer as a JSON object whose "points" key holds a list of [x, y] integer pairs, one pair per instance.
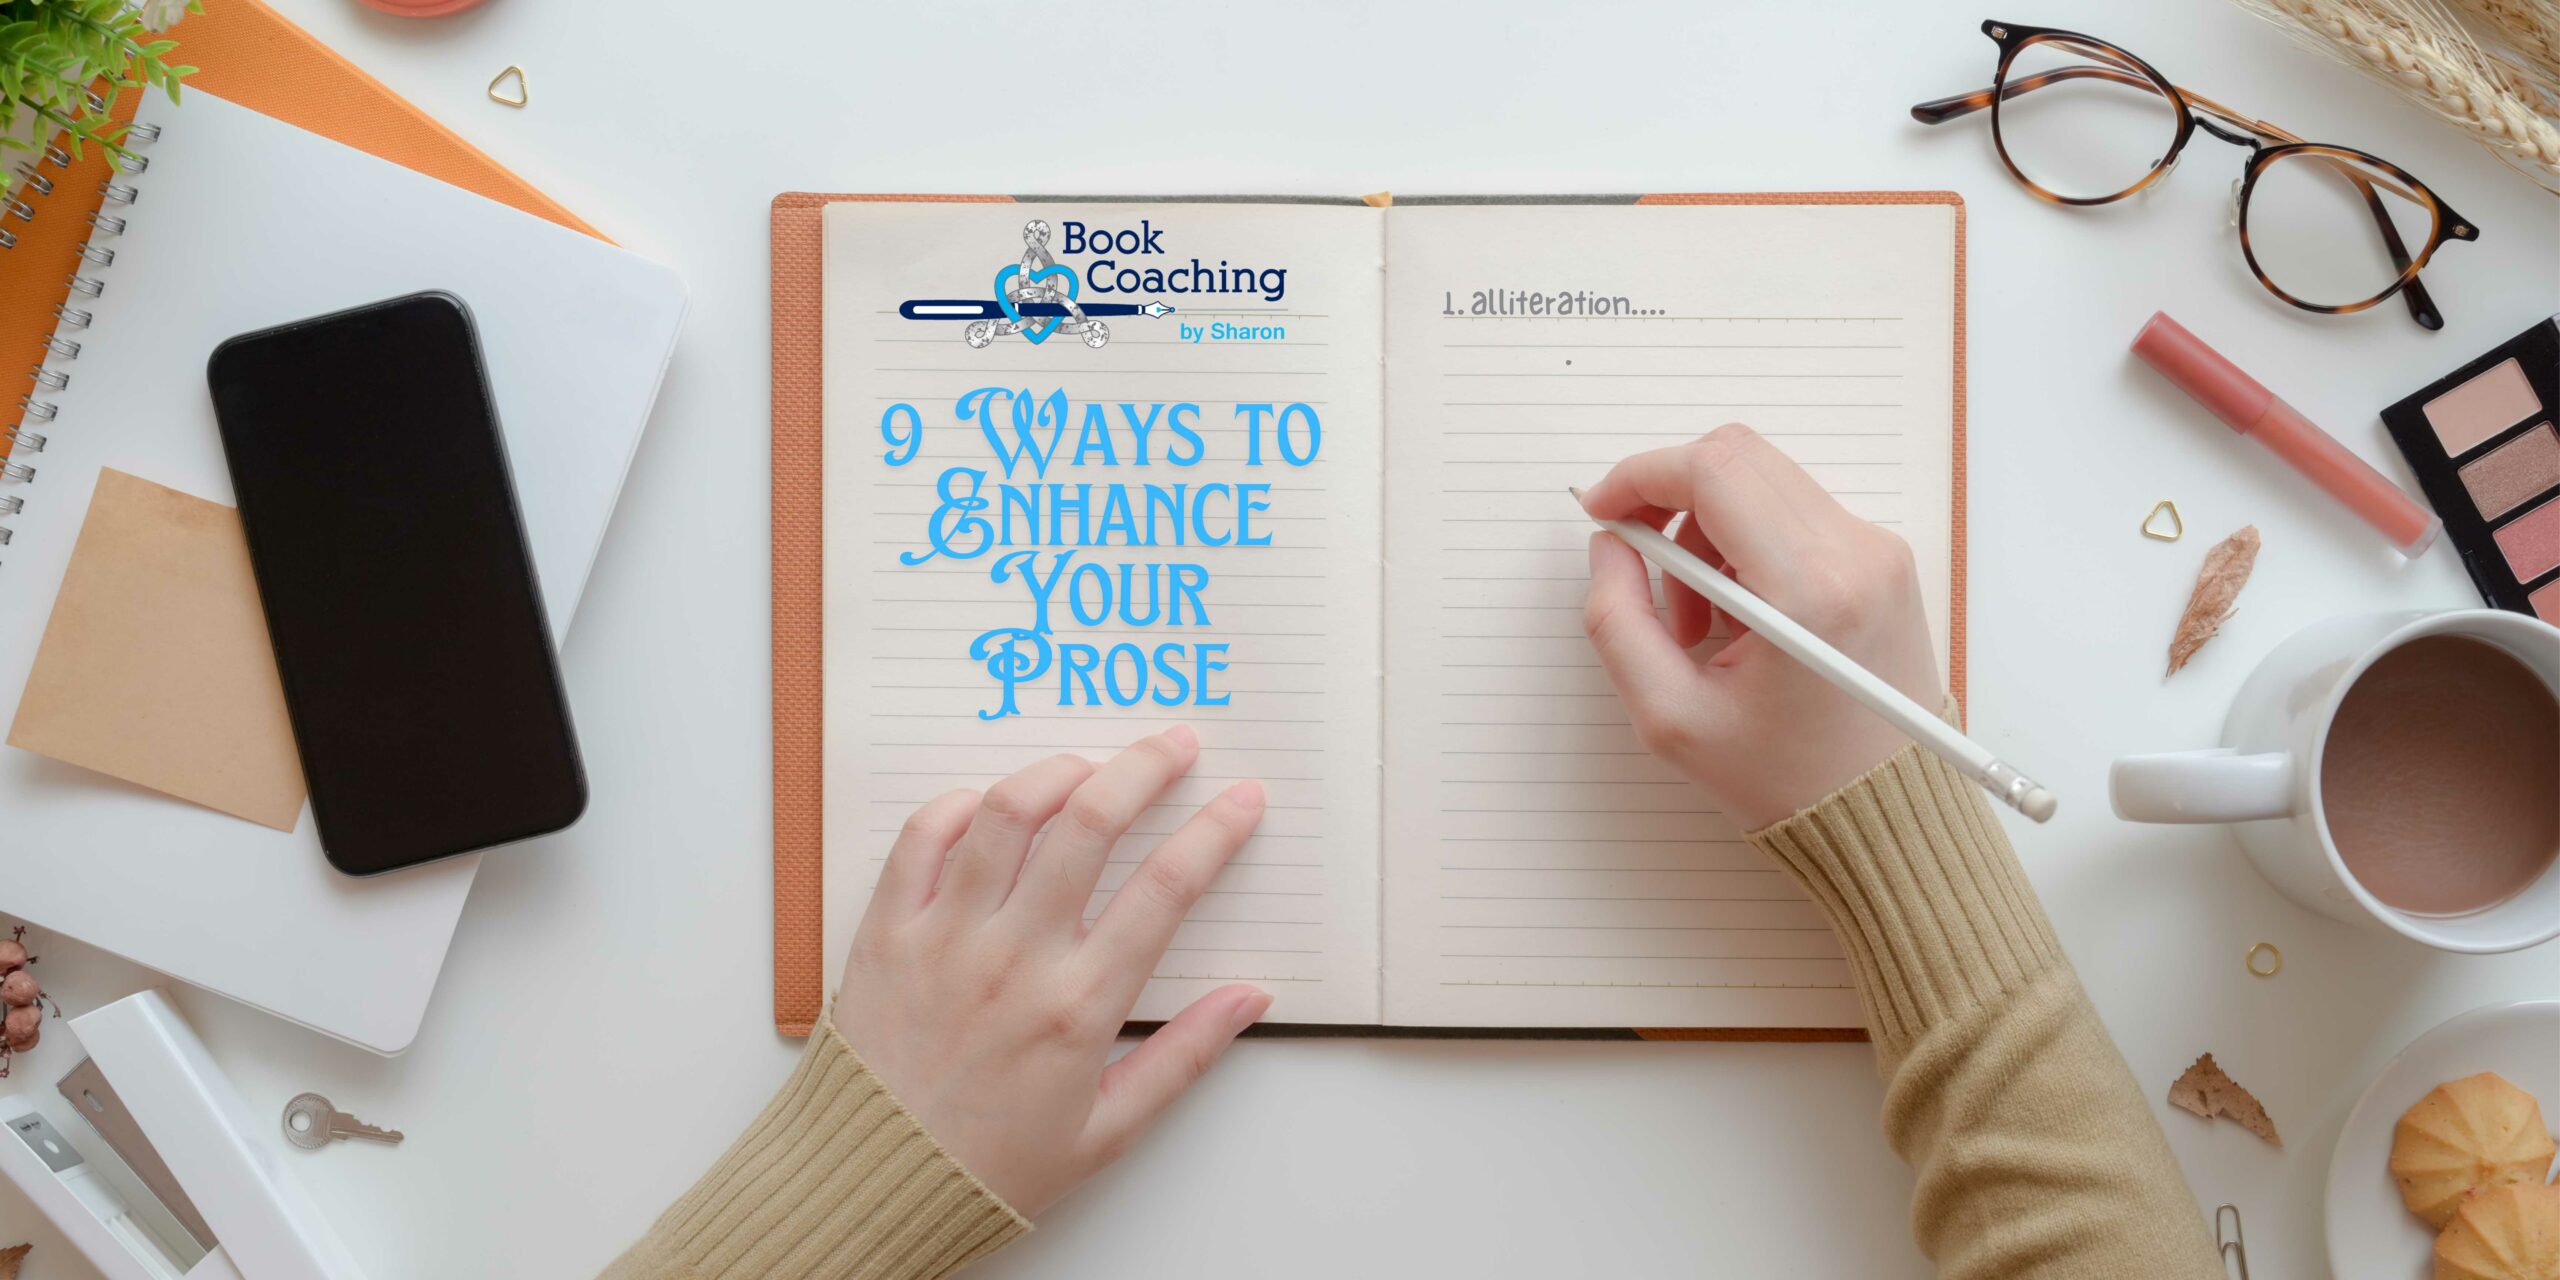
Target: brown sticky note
{"points": [[155, 666]]}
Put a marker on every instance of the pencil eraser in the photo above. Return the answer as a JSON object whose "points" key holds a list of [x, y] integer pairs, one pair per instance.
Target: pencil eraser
{"points": [[2037, 804]]}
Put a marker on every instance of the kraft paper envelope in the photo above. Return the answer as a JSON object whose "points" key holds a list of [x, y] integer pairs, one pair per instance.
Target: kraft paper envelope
{"points": [[155, 666]]}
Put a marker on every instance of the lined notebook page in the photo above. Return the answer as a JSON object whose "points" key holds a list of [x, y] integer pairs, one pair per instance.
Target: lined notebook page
{"points": [[1541, 868], [1297, 910]]}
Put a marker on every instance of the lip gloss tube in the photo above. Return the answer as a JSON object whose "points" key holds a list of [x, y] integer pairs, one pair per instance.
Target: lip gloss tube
{"points": [[2246, 406]]}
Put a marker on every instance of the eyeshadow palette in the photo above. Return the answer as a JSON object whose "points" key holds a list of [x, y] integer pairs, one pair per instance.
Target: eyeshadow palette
{"points": [[2485, 443]]}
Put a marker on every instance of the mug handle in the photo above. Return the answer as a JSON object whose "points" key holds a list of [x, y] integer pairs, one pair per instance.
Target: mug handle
{"points": [[2216, 785]]}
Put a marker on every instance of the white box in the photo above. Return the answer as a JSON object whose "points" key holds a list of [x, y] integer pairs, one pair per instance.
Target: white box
{"points": [[250, 1219]]}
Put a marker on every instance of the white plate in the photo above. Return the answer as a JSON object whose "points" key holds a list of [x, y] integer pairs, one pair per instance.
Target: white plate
{"points": [[2371, 1235]]}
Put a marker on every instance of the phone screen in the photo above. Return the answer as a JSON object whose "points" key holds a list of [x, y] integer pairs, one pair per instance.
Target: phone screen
{"points": [[400, 597]]}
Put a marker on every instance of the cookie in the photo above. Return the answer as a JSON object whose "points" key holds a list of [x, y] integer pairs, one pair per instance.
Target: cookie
{"points": [[2503, 1233], [2478, 1131]]}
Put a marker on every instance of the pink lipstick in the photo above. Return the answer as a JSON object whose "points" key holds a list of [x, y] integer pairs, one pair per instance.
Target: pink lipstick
{"points": [[2246, 406]]}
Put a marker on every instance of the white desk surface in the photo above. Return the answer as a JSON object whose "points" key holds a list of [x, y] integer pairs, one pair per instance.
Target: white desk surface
{"points": [[602, 1029]]}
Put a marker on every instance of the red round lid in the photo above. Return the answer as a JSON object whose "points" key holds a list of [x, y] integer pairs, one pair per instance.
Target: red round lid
{"points": [[421, 8]]}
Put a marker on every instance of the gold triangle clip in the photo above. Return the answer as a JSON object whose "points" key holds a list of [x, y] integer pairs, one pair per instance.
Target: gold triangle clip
{"points": [[498, 94], [2177, 527]]}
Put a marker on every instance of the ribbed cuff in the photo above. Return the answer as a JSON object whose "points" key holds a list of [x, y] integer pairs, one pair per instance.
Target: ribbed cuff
{"points": [[834, 1181], [1924, 892]]}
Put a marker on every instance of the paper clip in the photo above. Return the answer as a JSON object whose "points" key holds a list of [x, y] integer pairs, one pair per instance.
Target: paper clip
{"points": [[2232, 1247]]}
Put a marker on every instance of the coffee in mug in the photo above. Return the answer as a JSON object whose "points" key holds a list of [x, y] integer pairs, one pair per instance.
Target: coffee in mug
{"points": [[2395, 770], [2440, 778]]}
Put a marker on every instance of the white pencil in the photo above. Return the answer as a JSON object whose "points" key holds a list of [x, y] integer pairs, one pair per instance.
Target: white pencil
{"points": [[1791, 639]]}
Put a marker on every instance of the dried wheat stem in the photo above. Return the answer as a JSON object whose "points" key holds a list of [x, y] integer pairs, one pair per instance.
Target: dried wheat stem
{"points": [[2529, 27], [2526, 89], [2445, 74]]}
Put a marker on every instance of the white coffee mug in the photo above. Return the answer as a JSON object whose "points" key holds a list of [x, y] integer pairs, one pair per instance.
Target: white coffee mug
{"points": [[2266, 776]]}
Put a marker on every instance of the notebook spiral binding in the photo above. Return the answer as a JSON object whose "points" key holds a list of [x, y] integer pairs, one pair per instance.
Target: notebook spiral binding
{"points": [[19, 440]]}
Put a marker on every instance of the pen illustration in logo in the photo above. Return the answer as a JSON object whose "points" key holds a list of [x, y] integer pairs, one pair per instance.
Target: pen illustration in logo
{"points": [[1034, 297]]}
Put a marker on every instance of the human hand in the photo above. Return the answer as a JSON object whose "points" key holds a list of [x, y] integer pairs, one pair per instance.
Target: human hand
{"points": [[979, 996], [1763, 734]]}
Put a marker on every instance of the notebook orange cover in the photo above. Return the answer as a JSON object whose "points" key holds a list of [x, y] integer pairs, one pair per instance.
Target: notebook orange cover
{"points": [[248, 54], [798, 260]]}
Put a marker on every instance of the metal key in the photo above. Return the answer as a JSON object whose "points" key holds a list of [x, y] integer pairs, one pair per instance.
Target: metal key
{"points": [[311, 1122]]}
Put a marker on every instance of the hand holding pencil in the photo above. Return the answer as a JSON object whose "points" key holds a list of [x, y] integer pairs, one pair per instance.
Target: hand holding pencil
{"points": [[1771, 723]]}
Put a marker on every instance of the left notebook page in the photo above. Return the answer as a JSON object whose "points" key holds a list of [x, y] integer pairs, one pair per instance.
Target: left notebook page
{"points": [[1094, 469]]}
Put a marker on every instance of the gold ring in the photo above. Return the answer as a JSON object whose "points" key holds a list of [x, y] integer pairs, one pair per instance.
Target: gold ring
{"points": [[2275, 960], [2176, 528]]}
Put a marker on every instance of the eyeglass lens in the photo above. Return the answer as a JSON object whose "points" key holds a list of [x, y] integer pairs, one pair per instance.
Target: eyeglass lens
{"points": [[2079, 122], [2316, 226]]}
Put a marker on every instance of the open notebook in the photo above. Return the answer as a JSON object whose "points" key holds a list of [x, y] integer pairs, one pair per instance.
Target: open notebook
{"points": [[1316, 509]]}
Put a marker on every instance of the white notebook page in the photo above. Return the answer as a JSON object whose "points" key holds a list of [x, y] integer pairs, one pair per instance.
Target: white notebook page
{"points": [[1297, 911], [1541, 868]]}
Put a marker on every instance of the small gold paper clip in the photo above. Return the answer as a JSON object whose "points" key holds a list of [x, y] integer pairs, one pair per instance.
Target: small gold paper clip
{"points": [[2275, 960], [2232, 1247], [521, 93], [2177, 526]]}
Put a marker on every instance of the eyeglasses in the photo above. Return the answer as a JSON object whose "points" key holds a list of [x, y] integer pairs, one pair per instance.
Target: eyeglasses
{"points": [[2328, 229]]}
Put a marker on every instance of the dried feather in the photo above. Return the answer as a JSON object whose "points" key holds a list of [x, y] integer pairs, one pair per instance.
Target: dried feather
{"points": [[11, 1257], [2206, 1091], [2226, 570]]}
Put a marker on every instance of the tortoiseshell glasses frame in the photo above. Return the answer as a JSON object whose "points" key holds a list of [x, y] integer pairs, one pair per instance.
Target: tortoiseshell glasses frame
{"points": [[2371, 175]]}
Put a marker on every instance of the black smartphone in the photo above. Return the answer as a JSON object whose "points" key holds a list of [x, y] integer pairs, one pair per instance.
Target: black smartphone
{"points": [[409, 632]]}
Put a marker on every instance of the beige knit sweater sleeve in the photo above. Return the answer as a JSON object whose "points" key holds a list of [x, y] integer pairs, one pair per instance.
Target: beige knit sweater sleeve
{"points": [[834, 1181], [2037, 1154]]}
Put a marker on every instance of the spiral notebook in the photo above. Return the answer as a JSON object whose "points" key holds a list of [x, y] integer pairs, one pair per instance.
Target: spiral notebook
{"points": [[226, 220], [1292, 471]]}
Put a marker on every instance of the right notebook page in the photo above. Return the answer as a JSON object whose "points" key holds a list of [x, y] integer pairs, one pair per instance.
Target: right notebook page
{"points": [[1541, 869]]}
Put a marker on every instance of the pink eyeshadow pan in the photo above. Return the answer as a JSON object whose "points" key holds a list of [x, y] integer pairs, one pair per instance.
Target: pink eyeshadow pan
{"points": [[2532, 542], [2502, 479], [2546, 602], [2495, 399]]}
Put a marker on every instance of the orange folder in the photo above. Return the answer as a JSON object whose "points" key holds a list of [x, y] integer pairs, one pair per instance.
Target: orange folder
{"points": [[248, 54]]}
